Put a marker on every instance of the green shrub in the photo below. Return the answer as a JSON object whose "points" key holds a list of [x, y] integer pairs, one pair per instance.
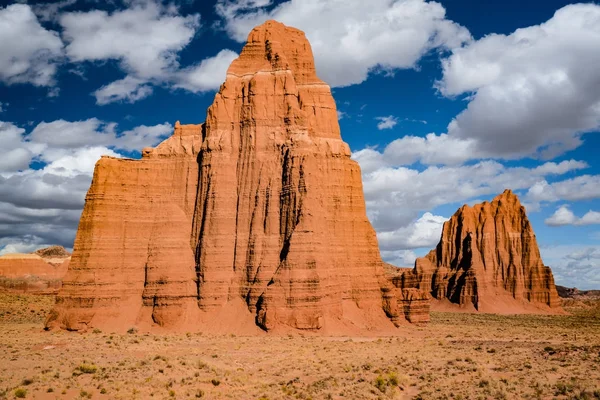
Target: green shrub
{"points": [[20, 393]]}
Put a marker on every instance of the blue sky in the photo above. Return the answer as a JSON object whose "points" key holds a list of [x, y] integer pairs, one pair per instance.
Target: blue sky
{"points": [[442, 103]]}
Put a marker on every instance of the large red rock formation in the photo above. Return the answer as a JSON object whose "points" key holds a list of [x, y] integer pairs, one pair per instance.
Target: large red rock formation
{"points": [[255, 217], [487, 260], [40, 272]]}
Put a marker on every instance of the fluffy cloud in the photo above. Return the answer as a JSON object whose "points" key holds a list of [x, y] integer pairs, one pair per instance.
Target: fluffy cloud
{"points": [[564, 216], [353, 38], [440, 150], [584, 187], [61, 135], [28, 52], [145, 39], [14, 156], [386, 122], [424, 232], [574, 265], [399, 258], [128, 90], [42, 206], [50, 11], [530, 92], [24, 229], [206, 76], [430, 150]]}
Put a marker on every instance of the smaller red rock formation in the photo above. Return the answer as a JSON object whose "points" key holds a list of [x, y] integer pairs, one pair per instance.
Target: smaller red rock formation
{"points": [[414, 303], [40, 272], [487, 260]]}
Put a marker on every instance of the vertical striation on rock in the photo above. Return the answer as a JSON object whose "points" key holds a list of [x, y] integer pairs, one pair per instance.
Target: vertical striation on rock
{"points": [[487, 260], [259, 212]]}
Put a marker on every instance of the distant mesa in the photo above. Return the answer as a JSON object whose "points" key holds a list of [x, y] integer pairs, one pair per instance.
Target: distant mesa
{"points": [[574, 293], [252, 221], [40, 272], [487, 260]]}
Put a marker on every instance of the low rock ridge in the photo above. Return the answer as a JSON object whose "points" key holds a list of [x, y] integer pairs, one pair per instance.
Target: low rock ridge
{"points": [[40, 272]]}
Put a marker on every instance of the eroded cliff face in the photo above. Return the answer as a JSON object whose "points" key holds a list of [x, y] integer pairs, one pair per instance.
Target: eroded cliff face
{"points": [[40, 272], [487, 260], [132, 254], [258, 214]]}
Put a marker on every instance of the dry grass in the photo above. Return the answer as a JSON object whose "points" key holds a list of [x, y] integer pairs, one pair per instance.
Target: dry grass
{"points": [[457, 356]]}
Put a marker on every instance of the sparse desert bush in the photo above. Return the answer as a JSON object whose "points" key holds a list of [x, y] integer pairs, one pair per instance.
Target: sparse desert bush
{"points": [[87, 368], [380, 383], [562, 388], [324, 367], [20, 393]]}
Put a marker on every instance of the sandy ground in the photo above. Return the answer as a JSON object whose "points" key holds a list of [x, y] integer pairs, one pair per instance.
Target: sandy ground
{"points": [[456, 356]]}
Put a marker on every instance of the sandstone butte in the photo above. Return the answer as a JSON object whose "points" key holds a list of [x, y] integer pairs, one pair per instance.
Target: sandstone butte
{"points": [[254, 219], [487, 260], [40, 272]]}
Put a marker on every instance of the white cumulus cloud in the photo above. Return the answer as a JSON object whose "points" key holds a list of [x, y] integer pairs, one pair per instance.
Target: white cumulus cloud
{"points": [[424, 232], [29, 53], [128, 90], [208, 75], [583, 187], [564, 216], [353, 38], [532, 92], [386, 122], [574, 265], [145, 39]]}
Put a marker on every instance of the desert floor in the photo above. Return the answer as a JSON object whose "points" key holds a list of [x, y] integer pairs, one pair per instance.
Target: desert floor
{"points": [[456, 356]]}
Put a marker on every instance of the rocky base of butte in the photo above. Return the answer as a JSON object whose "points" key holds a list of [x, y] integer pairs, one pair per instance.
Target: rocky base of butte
{"points": [[253, 220]]}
